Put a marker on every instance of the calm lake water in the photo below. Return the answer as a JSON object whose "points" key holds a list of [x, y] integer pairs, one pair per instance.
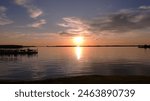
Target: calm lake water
{"points": [[55, 62]]}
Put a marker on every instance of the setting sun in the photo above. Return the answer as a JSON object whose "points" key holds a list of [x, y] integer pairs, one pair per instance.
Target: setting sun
{"points": [[78, 40]]}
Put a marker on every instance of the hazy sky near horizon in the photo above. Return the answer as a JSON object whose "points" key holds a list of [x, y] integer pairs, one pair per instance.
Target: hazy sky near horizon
{"points": [[53, 22]]}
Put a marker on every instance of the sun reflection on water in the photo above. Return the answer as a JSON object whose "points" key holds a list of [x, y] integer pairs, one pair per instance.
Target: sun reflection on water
{"points": [[78, 51]]}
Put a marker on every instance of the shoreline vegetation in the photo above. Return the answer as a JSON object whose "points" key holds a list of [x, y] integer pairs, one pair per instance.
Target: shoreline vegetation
{"points": [[144, 46], [89, 79]]}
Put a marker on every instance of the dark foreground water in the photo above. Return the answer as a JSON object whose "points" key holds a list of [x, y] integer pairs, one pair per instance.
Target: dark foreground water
{"points": [[55, 62]]}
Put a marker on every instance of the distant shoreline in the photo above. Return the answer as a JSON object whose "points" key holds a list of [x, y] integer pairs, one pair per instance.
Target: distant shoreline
{"points": [[22, 46], [94, 46]]}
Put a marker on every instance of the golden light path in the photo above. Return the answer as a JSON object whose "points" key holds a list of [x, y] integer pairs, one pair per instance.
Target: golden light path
{"points": [[78, 51]]}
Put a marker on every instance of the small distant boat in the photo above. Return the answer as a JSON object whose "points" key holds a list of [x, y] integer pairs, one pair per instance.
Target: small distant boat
{"points": [[144, 46]]}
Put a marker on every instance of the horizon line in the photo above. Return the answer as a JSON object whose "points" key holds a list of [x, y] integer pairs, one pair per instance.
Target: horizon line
{"points": [[114, 45]]}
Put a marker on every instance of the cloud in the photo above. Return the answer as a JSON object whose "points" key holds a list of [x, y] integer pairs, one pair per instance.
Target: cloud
{"points": [[2, 9], [122, 21], [115, 24], [144, 7], [32, 10], [38, 24], [4, 20], [74, 27], [66, 34]]}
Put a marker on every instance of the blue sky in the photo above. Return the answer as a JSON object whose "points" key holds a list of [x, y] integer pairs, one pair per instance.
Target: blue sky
{"points": [[29, 21]]}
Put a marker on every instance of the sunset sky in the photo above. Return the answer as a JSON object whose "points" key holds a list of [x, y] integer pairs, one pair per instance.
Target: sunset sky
{"points": [[58, 22]]}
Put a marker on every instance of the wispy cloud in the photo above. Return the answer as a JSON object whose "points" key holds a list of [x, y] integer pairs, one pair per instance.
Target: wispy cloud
{"points": [[144, 7], [4, 20], [38, 24], [32, 10], [74, 26]]}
